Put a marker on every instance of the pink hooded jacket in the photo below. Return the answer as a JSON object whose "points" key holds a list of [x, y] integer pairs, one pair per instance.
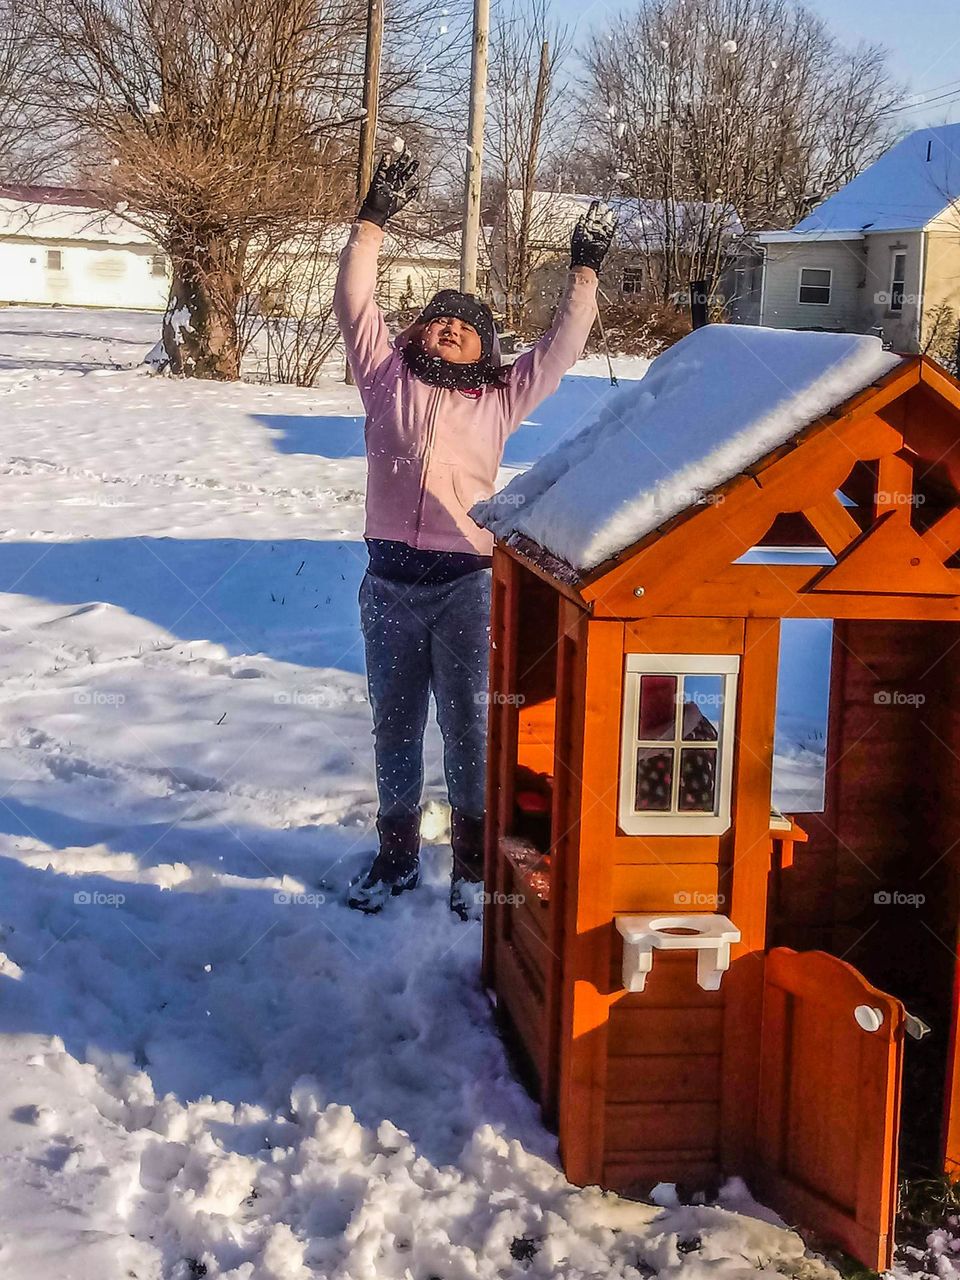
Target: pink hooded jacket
{"points": [[433, 452]]}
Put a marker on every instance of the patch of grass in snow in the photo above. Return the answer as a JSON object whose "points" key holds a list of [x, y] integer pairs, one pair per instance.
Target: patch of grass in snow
{"points": [[927, 1205]]}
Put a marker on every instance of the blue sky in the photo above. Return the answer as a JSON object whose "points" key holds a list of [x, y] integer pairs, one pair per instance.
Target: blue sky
{"points": [[923, 37]]}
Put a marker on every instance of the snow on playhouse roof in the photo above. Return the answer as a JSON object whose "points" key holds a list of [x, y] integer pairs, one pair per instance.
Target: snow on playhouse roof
{"points": [[909, 186], [714, 403]]}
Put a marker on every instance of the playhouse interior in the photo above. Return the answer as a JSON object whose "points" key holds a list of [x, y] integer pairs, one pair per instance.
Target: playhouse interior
{"points": [[874, 883]]}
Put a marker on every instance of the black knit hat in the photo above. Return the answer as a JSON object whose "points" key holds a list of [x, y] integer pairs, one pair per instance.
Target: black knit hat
{"points": [[467, 307]]}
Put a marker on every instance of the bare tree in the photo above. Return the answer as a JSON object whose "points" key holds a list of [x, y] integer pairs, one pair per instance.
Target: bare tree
{"points": [[722, 117], [223, 128], [25, 149], [525, 133]]}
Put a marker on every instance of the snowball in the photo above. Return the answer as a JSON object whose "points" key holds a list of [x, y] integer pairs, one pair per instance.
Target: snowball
{"points": [[398, 144], [729, 46], [665, 1195]]}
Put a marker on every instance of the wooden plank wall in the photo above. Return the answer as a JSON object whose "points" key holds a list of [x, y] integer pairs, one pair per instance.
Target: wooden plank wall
{"points": [[642, 1071]]}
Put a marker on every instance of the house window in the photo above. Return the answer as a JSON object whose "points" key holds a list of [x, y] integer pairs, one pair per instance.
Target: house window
{"points": [[676, 750], [898, 277], [158, 265], [815, 285], [632, 280], [54, 259]]}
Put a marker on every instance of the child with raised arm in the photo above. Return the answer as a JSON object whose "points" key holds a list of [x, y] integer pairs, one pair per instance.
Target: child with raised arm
{"points": [[439, 408]]}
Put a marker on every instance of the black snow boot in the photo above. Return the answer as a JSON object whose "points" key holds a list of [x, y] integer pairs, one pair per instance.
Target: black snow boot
{"points": [[466, 880], [396, 867]]}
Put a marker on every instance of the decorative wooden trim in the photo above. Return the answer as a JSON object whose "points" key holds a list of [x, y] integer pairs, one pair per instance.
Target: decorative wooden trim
{"points": [[745, 882], [588, 930], [835, 525]]}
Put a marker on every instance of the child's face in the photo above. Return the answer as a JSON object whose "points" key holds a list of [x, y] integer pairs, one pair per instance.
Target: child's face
{"points": [[452, 339]]}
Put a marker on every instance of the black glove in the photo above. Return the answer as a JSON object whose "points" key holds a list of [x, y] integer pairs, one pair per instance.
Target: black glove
{"points": [[592, 236], [392, 188]]}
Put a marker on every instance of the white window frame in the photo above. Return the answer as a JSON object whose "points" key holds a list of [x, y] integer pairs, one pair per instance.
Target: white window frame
{"points": [[637, 282], [801, 286], [897, 253], [49, 265], [634, 822]]}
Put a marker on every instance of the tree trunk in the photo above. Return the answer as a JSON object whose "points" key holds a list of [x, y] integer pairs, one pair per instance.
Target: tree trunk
{"points": [[200, 325]]}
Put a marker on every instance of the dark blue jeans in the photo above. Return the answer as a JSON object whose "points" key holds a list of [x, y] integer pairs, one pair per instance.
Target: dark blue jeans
{"points": [[417, 639]]}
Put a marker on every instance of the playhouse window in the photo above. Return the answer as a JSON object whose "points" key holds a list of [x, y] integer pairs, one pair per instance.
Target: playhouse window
{"points": [[815, 285], [677, 731]]}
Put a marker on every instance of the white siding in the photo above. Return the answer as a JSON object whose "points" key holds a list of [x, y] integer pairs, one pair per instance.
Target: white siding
{"points": [[899, 328], [781, 307], [91, 274]]}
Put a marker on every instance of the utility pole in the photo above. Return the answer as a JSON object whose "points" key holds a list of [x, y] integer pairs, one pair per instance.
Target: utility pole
{"points": [[470, 235], [371, 106]]}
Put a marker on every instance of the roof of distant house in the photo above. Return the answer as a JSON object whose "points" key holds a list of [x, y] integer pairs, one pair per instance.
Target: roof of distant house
{"points": [[643, 224], [32, 194], [908, 187]]}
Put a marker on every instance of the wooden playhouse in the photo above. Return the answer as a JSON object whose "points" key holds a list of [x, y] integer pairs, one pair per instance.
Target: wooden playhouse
{"points": [[696, 985]]}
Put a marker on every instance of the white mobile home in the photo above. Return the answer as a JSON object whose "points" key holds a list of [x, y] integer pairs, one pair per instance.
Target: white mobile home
{"points": [[57, 247]]}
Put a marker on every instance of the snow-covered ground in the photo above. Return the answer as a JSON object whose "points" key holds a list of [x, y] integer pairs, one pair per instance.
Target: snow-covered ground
{"points": [[208, 1066]]}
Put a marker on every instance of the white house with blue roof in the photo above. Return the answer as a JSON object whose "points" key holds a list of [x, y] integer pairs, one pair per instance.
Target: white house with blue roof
{"points": [[881, 256]]}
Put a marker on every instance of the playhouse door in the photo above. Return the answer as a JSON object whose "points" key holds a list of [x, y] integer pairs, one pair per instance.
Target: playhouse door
{"points": [[829, 1112]]}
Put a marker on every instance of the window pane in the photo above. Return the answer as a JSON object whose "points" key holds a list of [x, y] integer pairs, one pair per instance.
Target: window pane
{"points": [[815, 285], [899, 277], [658, 708], [698, 780], [654, 779], [702, 707]]}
